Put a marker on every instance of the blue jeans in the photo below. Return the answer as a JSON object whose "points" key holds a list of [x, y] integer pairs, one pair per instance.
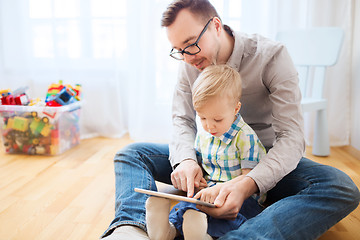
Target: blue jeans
{"points": [[216, 227], [305, 203]]}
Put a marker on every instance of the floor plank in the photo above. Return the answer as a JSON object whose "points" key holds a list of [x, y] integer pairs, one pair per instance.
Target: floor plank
{"points": [[71, 196]]}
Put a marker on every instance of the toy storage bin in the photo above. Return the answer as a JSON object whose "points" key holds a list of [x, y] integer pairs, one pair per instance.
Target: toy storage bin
{"points": [[39, 130]]}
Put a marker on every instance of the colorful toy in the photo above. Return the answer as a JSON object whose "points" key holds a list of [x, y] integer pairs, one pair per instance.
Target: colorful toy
{"points": [[36, 102], [38, 128], [33, 132], [21, 124], [6, 97], [4, 91], [59, 94], [78, 91], [18, 97]]}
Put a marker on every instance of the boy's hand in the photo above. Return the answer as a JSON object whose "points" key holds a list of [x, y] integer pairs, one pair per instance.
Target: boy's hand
{"points": [[209, 194], [187, 176], [231, 197]]}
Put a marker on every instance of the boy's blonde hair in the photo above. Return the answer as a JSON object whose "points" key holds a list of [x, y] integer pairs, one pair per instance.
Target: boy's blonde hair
{"points": [[216, 80]]}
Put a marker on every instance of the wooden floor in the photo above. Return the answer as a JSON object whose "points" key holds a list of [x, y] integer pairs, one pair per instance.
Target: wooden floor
{"points": [[71, 196]]}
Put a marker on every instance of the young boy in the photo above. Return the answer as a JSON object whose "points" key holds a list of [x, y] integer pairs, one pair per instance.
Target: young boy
{"points": [[229, 149]]}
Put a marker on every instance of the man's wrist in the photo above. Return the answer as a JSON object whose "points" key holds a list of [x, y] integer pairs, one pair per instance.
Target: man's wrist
{"points": [[177, 164], [248, 186]]}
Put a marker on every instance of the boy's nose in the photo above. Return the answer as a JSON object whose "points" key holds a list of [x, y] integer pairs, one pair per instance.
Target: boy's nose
{"points": [[210, 126]]}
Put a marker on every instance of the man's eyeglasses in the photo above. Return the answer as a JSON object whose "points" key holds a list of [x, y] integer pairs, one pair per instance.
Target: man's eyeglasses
{"points": [[191, 49]]}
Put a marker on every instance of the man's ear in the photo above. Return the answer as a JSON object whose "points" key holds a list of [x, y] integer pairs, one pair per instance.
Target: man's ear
{"points": [[218, 25]]}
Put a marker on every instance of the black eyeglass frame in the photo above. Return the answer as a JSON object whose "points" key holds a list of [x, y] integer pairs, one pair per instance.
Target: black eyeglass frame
{"points": [[182, 52]]}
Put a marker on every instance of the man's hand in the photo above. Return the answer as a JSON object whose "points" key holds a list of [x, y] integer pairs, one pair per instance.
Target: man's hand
{"points": [[187, 176], [231, 196]]}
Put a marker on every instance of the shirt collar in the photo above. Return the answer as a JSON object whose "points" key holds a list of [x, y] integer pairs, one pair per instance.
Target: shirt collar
{"points": [[238, 50], [234, 129], [231, 133]]}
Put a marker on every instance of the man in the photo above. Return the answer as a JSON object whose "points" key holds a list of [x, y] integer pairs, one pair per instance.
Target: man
{"points": [[307, 198]]}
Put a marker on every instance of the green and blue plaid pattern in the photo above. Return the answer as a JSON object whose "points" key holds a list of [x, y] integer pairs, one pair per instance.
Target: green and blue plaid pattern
{"points": [[223, 157]]}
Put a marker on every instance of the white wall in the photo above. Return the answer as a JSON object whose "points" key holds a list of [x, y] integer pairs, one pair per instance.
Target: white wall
{"points": [[355, 82]]}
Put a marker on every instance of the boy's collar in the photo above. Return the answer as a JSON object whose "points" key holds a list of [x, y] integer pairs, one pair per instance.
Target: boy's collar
{"points": [[231, 133]]}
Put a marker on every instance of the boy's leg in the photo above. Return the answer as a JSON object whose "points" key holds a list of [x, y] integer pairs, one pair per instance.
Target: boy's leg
{"points": [[195, 225], [309, 201], [157, 219], [137, 165]]}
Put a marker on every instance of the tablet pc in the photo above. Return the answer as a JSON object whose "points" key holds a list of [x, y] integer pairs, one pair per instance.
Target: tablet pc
{"points": [[173, 197]]}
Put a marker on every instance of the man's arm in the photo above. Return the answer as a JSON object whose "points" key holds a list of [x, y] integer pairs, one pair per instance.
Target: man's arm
{"points": [[183, 117], [281, 79], [187, 173]]}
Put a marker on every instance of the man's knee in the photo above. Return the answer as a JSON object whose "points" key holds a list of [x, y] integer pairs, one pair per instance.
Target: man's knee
{"points": [[130, 151], [346, 185]]}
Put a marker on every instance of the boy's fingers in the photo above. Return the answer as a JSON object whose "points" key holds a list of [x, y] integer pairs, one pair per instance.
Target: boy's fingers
{"points": [[220, 199], [197, 195]]}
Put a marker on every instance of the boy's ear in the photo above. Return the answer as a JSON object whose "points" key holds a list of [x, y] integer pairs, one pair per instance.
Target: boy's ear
{"points": [[238, 106]]}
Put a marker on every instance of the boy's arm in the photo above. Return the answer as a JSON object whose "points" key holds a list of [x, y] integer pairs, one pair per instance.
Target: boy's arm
{"points": [[250, 148]]}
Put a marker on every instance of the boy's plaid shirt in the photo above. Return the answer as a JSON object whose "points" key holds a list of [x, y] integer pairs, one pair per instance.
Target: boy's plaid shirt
{"points": [[223, 157]]}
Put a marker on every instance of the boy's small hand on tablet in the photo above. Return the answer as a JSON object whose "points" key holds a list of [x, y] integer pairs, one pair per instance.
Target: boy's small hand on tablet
{"points": [[209, 194], [228, 204], [230, 198]]}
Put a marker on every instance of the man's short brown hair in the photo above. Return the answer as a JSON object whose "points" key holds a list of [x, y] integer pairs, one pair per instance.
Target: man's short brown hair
{"points": [[202, 9]]}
